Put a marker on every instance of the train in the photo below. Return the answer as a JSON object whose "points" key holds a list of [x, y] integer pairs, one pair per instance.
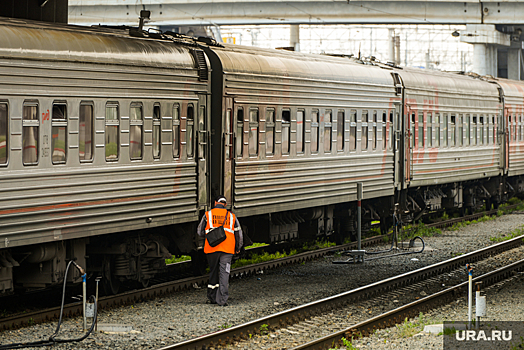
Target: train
{"points": [[114, 142]]}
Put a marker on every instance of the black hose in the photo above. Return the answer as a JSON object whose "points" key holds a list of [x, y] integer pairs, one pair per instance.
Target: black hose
{"points": [[52, 340], [405, 253], [396, 223]]}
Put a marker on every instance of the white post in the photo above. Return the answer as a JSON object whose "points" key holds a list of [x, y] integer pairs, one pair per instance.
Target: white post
{"points": [[84, 303], [470, 294]]}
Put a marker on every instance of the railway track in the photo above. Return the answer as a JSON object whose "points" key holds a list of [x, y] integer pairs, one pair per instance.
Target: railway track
{"points": [[298, 314], [166, 288], [412, 309]]}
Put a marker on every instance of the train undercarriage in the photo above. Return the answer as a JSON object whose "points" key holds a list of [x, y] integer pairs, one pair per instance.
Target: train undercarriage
{"points": [[134, 258]]}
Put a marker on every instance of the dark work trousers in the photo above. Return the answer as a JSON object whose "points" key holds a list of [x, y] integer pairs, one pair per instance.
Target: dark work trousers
{"points": [[218, 286]]}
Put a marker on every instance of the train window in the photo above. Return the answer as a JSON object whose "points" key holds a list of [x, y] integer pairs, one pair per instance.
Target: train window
{"points": [[474, 135], [30, 126], [176, 131], [488, 132], [253, 132], [412, 139], [270, 131], [353, 129], [3, 132], [300, 131], [468, 130], [157, 132], [429, 130], [286, 131], [365, 129], [189, 129], [112, 132], [497, 125], [437, 130], [520, 128], [85, 132], [340, 130], [228, 134], [327, 131], [391, 137], [481, 129], [488, 125], [445, 129], [452, 132], [59, 133], [314, 131], [461, 130], [384, 126], [374, 134], [240, 132], [514, 123], [421, 129], [136, 126], [514, 127]]}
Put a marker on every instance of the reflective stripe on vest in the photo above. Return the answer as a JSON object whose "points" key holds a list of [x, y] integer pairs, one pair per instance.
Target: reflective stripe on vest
{"points": [[228, 246]]}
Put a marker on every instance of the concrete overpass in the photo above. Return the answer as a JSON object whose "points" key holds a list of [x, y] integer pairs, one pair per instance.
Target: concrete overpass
{"points": [[493, 27], [249, 12]]}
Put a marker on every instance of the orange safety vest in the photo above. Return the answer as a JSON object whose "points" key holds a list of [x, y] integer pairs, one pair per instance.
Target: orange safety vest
{"points": [[215, 218]]}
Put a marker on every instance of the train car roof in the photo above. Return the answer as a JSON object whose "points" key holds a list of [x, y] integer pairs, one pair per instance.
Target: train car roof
{"points": [[512, 89], [433, 81], [282, 63], [58, 42]]}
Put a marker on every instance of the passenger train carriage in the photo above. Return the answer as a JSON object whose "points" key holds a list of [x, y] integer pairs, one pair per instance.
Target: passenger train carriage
{"points": [[113, 142]]}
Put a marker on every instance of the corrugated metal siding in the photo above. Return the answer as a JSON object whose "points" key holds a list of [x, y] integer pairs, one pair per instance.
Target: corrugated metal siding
{"points": [[272, 186], [50, 202], [437, 92], [38, 206], [291, 80]]}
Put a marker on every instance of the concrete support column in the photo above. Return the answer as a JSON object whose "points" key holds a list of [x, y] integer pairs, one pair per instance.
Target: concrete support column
{"points": [[480, 59], [391, 37], [485, 39], [515, 63], [294, 38]]}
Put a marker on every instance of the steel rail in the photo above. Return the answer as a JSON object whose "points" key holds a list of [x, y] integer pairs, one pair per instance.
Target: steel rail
{"points": [[166, 288], [285, 318], [413, 309]]}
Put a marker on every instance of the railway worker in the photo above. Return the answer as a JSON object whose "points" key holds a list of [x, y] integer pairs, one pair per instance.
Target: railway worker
{"points": [[220, 256]]}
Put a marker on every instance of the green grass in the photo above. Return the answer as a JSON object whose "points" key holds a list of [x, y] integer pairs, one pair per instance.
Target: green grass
{"points": [[507, 236], [256, 245], [263, 257], [411, 231], [416, 325], [181, 258]]}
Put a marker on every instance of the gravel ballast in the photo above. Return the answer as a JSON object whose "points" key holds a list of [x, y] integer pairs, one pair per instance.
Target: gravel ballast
{"points": [[185, 315]]}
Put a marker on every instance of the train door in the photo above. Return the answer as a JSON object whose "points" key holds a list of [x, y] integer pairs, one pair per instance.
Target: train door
{"points": [[504, 138], [398, 144], [202, 155], [409, 143], [228, 150]]}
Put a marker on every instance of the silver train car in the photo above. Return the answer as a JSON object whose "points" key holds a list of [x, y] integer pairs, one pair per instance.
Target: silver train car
{"points": [[113, 143], [97, 152]]}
